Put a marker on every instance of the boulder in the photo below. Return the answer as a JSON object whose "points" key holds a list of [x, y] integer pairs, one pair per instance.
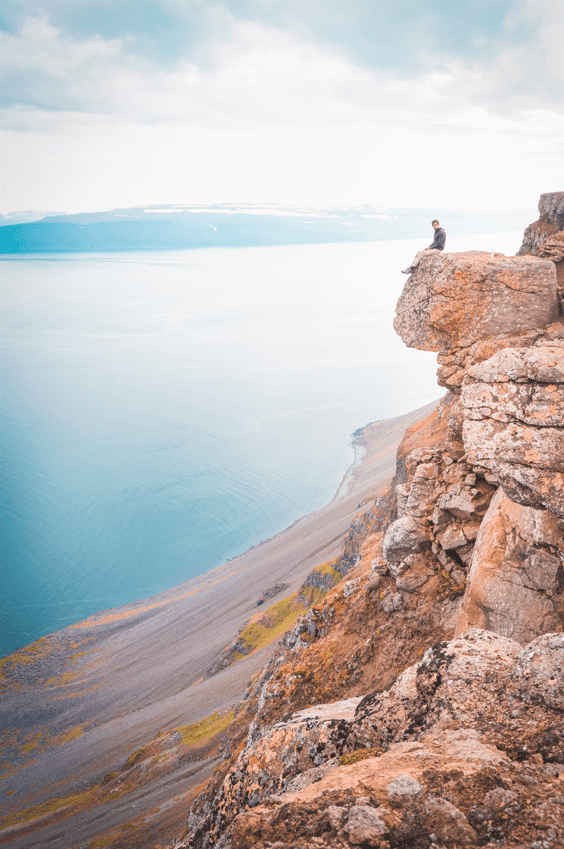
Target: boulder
{"points": [[454, 300], [539, 670], [404, 537], [365, 826]]}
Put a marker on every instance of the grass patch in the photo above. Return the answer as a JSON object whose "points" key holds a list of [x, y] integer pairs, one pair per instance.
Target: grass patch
{"points": [[71, 734], [65, 678], [359, 755], [329, 569], [202, 732], [29, 814], [117, 794], [101, 843], [266, 627], [132, 759], [313, 596]]}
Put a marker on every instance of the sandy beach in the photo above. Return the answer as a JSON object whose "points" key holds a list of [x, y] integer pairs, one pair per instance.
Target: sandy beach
{"points": [[125, 674]]}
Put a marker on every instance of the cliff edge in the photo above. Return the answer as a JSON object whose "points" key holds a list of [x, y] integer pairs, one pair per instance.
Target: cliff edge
{"points": [[420, 703]]}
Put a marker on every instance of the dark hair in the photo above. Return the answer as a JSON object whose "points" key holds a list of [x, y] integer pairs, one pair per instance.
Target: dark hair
{"points": [[434, 221]]}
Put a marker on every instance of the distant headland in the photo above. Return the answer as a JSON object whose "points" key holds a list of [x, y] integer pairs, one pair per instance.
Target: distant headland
{"points": [[177, 226]]}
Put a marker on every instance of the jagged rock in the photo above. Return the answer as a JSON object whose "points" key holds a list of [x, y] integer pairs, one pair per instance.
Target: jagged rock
{"points": [[379, 566], [447, 682], [451, 537], [516, 582], [465, 502], [411, 573], [434, 751], [453, 300], [421, 498], [277, 754], [548, 226]]}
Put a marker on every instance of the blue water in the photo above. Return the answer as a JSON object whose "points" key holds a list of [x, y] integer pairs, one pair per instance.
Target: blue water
{"points": [[162, 412]]}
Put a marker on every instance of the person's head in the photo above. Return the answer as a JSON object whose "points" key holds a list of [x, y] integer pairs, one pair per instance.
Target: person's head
{"points": [[435, 224]]}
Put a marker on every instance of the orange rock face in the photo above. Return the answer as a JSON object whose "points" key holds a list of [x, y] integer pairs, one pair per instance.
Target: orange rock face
{"points": [[454, 300], [515, 586]]}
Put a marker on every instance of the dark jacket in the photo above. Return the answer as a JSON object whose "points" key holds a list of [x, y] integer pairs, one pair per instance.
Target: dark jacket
{"points": [[440, 239]]}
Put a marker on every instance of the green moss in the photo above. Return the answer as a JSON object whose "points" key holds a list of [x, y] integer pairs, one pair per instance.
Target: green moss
{"points": [[202, 732], [313, 595]]}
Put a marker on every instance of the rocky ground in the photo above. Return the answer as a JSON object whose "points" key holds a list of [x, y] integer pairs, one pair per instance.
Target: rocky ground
{"points": [[420, 702]]}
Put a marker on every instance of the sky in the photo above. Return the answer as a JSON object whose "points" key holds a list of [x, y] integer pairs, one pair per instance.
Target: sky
{"points": [[405, 103]]}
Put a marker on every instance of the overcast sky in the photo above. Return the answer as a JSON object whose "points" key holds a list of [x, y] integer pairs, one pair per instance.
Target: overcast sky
{"points": [[108, 103]]}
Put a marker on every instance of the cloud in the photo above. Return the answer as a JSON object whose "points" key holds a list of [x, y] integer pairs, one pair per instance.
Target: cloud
{"points": [[255, 102], [282, 61]]}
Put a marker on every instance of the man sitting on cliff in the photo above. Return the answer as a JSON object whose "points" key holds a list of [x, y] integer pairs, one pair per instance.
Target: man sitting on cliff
{"points": [[438, 244]]}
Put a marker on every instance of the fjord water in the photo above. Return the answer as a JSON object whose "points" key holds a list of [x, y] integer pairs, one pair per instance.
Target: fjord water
{"points": [[163, 412]]}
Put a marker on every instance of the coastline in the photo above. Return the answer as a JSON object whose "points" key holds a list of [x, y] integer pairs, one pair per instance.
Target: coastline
{"points": [[132, 671]]}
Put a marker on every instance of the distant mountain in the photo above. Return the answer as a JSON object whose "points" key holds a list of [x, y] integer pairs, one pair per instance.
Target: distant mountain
{"points": [[169, 227], [25, 216]]}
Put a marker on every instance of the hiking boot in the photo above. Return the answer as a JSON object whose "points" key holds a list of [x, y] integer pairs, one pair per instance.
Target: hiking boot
{"points": [[408, 270]]}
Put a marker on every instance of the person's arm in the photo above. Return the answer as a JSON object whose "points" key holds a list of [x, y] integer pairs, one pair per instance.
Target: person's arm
{"points": [[439, 241]]}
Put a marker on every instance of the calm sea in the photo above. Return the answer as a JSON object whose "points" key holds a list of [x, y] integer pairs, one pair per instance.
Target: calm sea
{"points": [[163, 412]]}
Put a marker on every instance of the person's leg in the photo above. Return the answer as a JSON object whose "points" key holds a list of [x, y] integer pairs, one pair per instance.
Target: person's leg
{"points": [[417, 259]]}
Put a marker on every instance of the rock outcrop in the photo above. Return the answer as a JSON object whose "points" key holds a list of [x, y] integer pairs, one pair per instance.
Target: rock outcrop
{"points": [[545, 237], [420, 702], [464, 748], [495, 323]]}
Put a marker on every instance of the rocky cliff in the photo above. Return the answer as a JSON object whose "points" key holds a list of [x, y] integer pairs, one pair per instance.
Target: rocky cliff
{"points": [[420, 703]]}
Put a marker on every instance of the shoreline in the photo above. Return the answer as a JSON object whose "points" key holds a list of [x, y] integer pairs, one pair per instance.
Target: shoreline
{"points": [[363, 440], [130, 672]]}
